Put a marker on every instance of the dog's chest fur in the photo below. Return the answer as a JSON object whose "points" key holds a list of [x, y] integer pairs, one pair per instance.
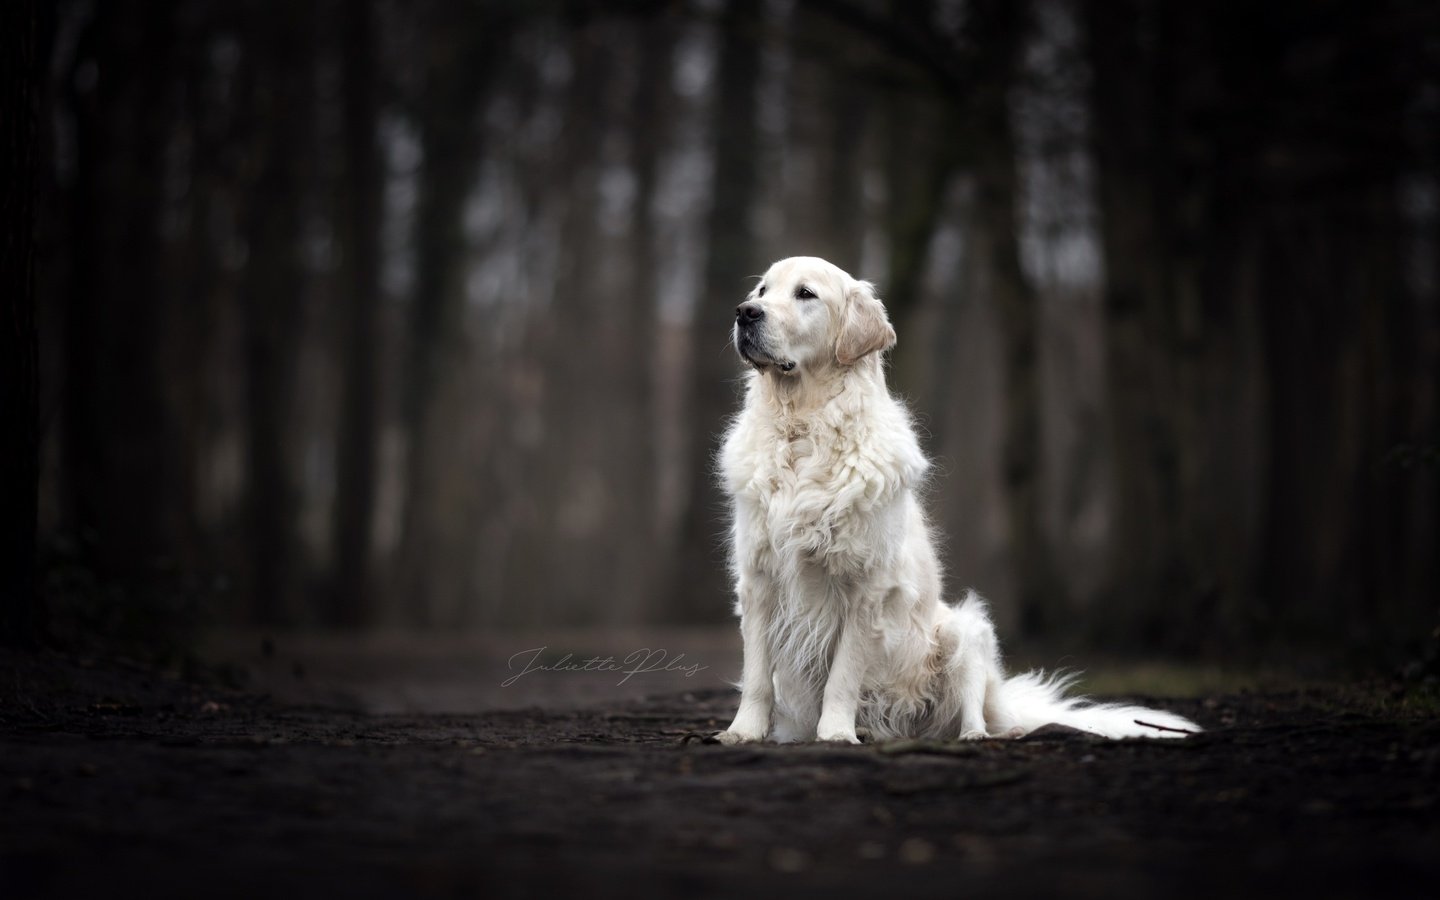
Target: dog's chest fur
{"points": [[813, 494], [800, 515]]}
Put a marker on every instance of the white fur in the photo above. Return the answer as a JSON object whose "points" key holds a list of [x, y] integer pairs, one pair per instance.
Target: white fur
{"points": [[838, 587]]}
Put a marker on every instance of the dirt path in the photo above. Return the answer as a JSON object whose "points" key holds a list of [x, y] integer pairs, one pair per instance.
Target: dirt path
{"points": [[131, 783]]}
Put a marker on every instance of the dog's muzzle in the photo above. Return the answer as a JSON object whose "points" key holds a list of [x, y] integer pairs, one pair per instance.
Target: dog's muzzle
{"points": [[750, 339]]}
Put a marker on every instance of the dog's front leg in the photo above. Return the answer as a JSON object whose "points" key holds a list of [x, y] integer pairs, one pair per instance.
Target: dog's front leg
{"points": [[757, 686], [842, 688]]}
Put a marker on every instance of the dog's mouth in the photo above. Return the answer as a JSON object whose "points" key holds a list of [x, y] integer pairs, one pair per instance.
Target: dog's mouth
{"points": [[754, 351]]}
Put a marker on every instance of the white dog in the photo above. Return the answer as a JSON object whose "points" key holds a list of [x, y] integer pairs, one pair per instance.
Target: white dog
{"points": [[838, 587]]}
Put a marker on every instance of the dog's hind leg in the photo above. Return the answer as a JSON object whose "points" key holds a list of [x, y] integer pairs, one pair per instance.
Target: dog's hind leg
{"points": [[975, 665]]}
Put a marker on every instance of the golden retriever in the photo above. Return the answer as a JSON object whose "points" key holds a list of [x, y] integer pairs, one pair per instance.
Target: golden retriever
{"points": [[838, 586]]}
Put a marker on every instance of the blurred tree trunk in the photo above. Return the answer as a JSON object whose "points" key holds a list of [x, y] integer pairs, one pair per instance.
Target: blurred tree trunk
{"points": [[576, 489], [351, 601], [842, 181], [700, 581], [1203, 228], [21, 613], [1305, 543], [649, 111], [919, 170], [273, 287], [920, 164], [1387, 324], [121, 450], [200, 228], [461, 46], [1139, 329], [1419, 477], [1337, 510], [999, 28], [827, 129]]}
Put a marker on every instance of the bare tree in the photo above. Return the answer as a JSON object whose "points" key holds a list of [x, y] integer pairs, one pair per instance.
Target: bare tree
{"points": [[650, 110], [999, 29], [352, 603], [461, 46], [1144, 444], [121, 450], [21, 613], [273, 288]]}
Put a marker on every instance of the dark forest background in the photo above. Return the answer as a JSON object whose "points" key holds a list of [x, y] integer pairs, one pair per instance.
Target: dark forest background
{"points": [[387, 314]]}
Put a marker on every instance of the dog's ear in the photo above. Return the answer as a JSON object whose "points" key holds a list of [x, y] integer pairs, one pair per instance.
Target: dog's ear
{"points": [[865, 328]]}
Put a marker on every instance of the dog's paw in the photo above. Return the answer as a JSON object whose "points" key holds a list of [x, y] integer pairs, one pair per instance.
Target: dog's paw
{"points": [[973, 735], [731, 737], [838, 736]]}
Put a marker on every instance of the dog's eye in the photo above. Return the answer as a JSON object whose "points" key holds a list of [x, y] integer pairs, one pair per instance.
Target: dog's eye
{"points": [[804, 293], [762, 291]]}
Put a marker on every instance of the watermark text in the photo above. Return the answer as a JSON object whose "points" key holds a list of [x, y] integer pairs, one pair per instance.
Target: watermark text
{"points": [[637, 662]]}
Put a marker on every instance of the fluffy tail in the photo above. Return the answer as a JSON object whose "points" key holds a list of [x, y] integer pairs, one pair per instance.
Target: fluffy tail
{"points": [[1033, 699]]}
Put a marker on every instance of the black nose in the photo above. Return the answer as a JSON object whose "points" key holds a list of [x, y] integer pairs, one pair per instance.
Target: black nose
{"points": [[749, 311]]}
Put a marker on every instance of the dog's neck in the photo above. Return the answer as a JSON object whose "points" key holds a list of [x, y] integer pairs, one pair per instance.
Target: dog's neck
{"points": [[806, 394]]}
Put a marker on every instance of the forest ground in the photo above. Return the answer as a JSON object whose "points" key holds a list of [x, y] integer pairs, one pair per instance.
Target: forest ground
{"points": [[124, 779]]}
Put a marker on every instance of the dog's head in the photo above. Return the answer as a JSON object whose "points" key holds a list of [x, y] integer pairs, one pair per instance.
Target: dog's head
{"points": [[808, 316]]}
